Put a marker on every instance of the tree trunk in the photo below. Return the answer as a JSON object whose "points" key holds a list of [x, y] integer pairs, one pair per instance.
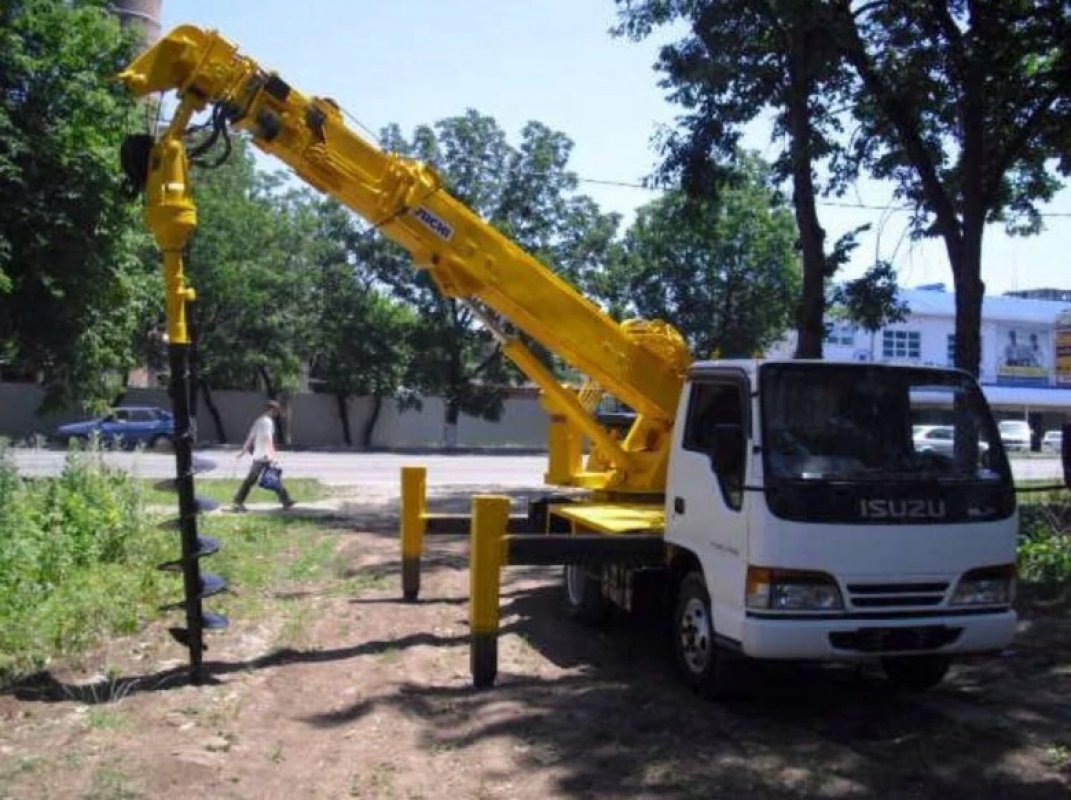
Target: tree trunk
{"points": [[966, 260], [370, 425], [810, 314], [119, 398], [344, 417], [269, 385], [453, 412], [210, 404]]}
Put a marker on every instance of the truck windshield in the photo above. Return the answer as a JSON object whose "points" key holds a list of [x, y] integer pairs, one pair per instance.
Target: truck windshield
{"points": [[825, 422]]}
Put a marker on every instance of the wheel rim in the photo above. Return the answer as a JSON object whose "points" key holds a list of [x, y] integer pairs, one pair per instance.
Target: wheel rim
{"points": [[574, 583], [694, 633]]}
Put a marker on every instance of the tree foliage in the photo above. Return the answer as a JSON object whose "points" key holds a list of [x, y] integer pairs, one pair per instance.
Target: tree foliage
{"points": [[872, 300], [252, 265], [528, 193], [966, 107], [361, 337], [73, 287], [739, 61], [724, 271]]}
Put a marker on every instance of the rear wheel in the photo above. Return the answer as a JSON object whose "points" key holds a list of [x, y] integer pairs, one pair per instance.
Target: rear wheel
{"points": [[916, 673], [161, 444], [710, 670], [584, 600]]}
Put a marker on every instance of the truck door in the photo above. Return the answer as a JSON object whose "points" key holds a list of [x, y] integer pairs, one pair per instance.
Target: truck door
{"points": [[705, 494]]}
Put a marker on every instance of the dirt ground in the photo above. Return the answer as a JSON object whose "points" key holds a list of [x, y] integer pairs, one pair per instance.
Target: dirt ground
{"points": [[358, 694]]}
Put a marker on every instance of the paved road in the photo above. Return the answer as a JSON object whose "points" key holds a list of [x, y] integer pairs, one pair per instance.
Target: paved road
{"points": [[360, 469], [383, 469]]}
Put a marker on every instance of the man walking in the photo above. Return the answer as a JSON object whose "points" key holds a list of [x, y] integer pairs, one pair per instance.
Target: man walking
{"points": [[260, 443]]}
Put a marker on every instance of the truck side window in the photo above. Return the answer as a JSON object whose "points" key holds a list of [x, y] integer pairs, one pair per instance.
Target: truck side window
{"points": [[710, 407]]}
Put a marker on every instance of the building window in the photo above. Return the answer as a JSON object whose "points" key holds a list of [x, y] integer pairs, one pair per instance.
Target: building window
{"points": [[901, 344], [843, 335]]}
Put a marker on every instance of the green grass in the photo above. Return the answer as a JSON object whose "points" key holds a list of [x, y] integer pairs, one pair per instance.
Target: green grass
{"points": [[78, 558], [303, 490]]}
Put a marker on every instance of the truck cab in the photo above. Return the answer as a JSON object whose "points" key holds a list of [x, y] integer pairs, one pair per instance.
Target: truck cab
{"points": [[812, 527]]}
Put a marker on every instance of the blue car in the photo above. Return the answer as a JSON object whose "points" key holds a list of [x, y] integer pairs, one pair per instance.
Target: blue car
{"points": [[126, 426]]}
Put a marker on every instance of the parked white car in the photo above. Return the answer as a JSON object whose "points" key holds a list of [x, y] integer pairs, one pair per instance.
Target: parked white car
{"points": [[934, 439], [1016, 435], [1052, 442], [939, 439]]}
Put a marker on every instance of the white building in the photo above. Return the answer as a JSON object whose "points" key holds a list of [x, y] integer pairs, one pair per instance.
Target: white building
{"points": [[1026, 350]]}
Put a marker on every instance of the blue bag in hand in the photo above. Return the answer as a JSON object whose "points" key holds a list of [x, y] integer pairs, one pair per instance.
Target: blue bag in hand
{"points": [[271, 478]]}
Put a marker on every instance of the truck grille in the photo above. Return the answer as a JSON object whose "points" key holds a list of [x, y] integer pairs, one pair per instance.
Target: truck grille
{"points": [[896, 595], [895, 640]]}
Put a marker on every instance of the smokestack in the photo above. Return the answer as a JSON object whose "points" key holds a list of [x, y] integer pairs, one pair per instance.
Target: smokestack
{"points": [[142, 15]]}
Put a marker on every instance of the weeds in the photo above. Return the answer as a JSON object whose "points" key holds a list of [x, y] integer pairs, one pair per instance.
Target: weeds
{"points": [[74, 560], [109, 783], [107, 720], [78, 556], [1045, 542]]}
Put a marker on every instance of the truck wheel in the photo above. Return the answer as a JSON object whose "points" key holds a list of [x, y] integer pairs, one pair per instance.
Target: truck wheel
{"points": [[161, 444], [710, 670], [583, 595], [916, 673]]}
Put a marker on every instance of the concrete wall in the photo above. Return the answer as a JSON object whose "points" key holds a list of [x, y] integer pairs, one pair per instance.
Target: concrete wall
{"points": [[312, 420]]}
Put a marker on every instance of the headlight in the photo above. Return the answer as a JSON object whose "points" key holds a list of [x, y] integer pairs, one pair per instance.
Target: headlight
{"points": [[791, 590], [986, 586]]}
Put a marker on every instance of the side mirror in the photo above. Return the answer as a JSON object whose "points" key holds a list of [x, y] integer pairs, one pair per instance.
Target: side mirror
{"points": [[728, 449], [1065, 453]]}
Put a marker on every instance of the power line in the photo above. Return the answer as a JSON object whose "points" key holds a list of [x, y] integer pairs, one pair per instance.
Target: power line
{"points": [[825, 203]]}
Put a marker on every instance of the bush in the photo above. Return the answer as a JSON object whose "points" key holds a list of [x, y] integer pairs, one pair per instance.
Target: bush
{"points": [[1045, 542], [76, 560]]}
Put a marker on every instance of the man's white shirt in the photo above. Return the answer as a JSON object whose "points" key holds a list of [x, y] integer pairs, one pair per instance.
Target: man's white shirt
{"points": [[263, 431]]}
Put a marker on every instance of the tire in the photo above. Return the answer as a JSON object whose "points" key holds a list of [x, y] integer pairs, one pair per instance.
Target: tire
{"points": [[712, 671], [583, 597], [161, 444], [916, 673]]}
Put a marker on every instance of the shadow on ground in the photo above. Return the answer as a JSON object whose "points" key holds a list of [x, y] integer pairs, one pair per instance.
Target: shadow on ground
{"points": [[618, 723]]}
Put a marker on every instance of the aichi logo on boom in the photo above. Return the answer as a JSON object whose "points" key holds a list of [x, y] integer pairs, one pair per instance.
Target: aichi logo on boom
{"points": [[434, 223]]}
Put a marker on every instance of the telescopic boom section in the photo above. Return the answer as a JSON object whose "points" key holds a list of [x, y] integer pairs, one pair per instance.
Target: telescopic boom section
{"points": [[641, 363]]}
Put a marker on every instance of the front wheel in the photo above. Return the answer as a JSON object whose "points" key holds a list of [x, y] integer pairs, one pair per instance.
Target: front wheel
{"points": [[916, 673], [712, 671], [161, 444], [583, 595]]}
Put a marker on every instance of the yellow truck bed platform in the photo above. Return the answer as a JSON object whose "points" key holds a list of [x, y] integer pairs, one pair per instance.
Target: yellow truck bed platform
{"points": [[613, 517]]}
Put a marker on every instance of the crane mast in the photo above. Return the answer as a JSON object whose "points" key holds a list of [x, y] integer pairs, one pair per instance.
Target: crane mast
{"points": [[640, 362]]}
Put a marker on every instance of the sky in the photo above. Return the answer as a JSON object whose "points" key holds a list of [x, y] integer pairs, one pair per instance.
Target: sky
{"points": [[413, 62]]}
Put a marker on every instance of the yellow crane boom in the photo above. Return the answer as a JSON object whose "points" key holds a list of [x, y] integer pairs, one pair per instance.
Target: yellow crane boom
{"points": [[641, 363]]}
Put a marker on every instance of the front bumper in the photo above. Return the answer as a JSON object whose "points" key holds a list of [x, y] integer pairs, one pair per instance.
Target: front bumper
{"points": [[842, 639]]}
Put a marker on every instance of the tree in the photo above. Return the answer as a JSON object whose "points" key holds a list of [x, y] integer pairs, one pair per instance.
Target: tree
{"points": [[742, 59], [251, 263], [872, 300], [361, 336], [966, 107], [723, 272], [73, 285], [527, 193]]}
